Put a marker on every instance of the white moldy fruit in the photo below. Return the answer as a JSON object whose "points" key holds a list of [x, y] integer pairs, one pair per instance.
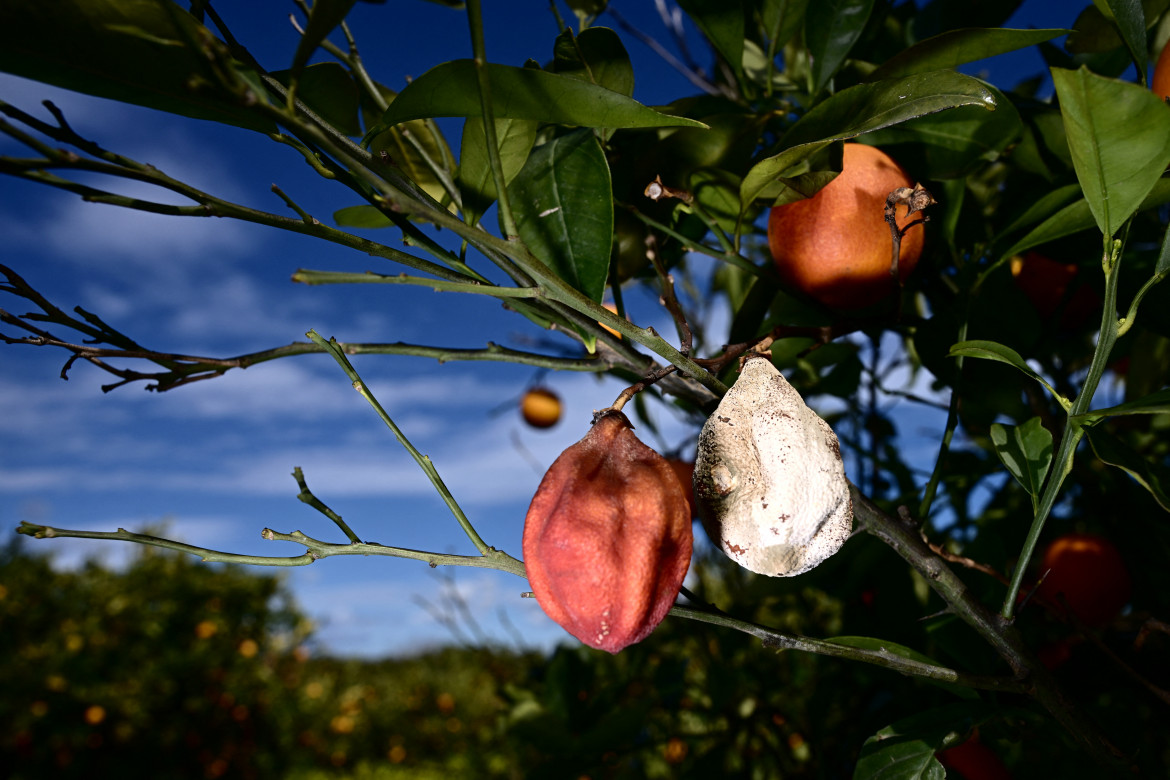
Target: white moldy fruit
{"points": [[769, 480]]}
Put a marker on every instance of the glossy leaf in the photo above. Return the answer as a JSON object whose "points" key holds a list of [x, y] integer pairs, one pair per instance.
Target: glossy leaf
{"points": [[991, 350], [831, 27], [1119, 136], [723, 24], [563, 206], [598, 56], [1130, 21], [324, 17], [958, 47], [1025, 450], [451, 89], [98, 47], [862, 109], [905, 749], [1112, 450], [328, 90], [515, 138]]}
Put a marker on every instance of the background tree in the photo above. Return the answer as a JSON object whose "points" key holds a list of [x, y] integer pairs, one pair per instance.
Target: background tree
{"points": [[595, 192]]}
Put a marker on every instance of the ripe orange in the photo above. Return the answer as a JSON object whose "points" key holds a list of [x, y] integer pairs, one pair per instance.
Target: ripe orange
{"points": [[612, 307], [972, 760], [1045, 281], [1086, 575], [836, 245], [1161, 81], [541, 407]]}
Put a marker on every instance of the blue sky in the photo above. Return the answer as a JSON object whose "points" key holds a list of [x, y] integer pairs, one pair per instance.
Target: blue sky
{"points": [[210, 463]]}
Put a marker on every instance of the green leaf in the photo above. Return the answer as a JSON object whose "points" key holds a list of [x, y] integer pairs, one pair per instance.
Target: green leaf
{"points": [[1163, 266], [1048, 204], [951, 144], [1155, 403], [395, 142], [99, 47], [958, 47], [862, 109], [324, 17], [451, 89], [515, 138], [905, 749], [1119, 136], [1130, 20], [1026, 451], [991, 350], [563, 205], [364, 216], [598, 56], [328, 90], [1112, 450], [723, 24], [783, 19], [831, 27], [875, 644]]}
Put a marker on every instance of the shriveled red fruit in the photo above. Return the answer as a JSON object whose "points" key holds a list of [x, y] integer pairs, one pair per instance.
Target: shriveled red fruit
{"points": [[607, 539], [1087, 576], [685, 470]]}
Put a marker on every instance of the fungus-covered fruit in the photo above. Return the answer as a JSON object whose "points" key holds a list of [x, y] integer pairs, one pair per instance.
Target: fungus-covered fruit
{"points": [[769, 480], [607, 539], [540, 407], [836, 246]]}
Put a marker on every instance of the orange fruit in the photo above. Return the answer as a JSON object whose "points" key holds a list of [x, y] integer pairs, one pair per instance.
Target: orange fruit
{"points": [[1046, 281], [540, 407], [836, 246], [1087, 576], [972, 760], [612, 307], [1161, 81]]}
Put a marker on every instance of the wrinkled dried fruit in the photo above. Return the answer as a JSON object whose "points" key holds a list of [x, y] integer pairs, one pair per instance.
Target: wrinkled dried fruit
{"points": [[769, 479], [607, 539]]}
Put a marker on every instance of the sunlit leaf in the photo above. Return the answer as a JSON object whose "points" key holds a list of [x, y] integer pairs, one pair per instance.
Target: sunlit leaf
{"points": [[1152, 476], [831, 27], [515, 138], [451, 89], [98, 47], [363, 216], [1119, 136], [563, 206], [396, 142], [862, 109], [958, 47], [1025, 450]]}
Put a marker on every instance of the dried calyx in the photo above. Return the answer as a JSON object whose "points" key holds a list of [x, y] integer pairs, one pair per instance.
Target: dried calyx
{"points": [[769, 480], [607, 538]]}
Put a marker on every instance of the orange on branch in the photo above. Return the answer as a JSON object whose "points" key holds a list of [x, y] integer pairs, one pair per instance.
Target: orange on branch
{"points": [[1161, 81], [1086, 576], [1046, 282], [540, 407], [836, 246]]}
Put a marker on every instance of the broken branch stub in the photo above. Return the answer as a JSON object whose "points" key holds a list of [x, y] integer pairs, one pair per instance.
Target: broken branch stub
{"points": [[769, 480]]}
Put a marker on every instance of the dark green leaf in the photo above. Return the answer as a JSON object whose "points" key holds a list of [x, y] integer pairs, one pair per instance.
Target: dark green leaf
{"points": [[451, 89], [862, 109], [563, 206], [723, 23], [1119, 136], [1155, 403], [324, 17], [783, 19], [1047, 205], [396, 143], [99, 47], [1115, 452], [598, 56], [515, 138], [328, 90], [1163, 266], [1025, 450], [831, 27], [991, 350], [905, 750], [958, 47], [1130, 20]]}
